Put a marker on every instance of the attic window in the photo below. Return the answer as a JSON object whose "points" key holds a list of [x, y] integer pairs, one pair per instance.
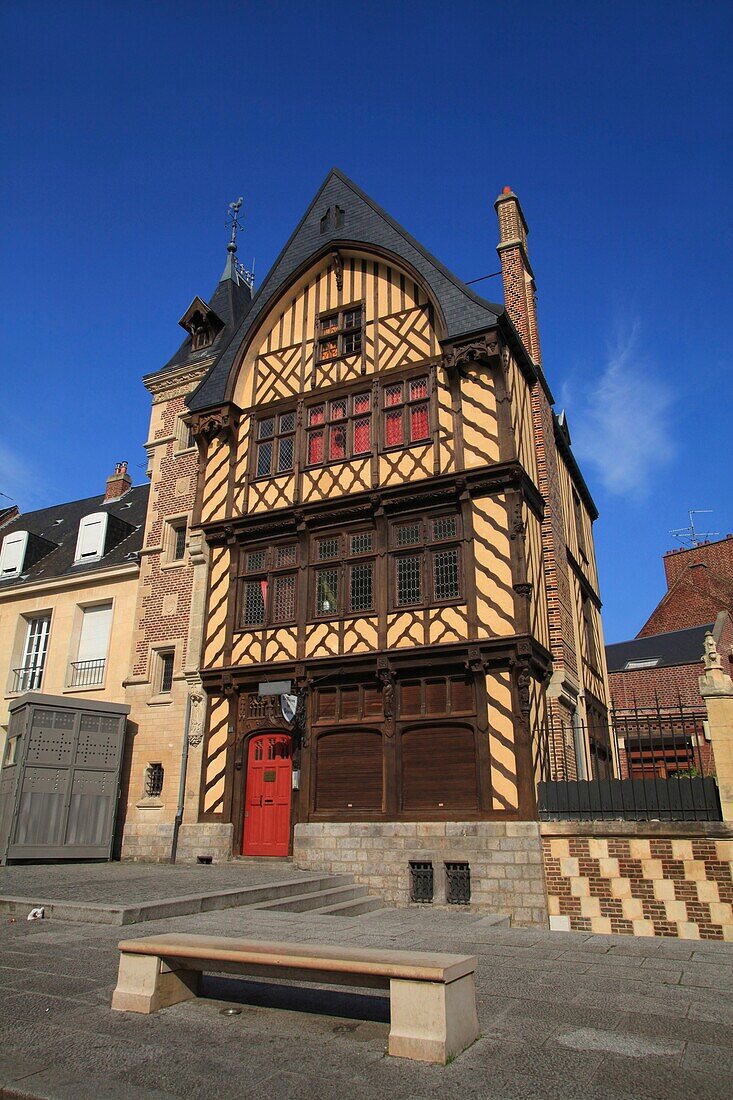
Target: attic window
{"points": [[201, 323], [333, 216], [641, 662], [13, 553], [201, 334], [91, 538]]}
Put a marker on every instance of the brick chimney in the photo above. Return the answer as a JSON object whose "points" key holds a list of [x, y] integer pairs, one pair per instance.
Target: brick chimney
{"points": [[117, 483], [517, 275]]}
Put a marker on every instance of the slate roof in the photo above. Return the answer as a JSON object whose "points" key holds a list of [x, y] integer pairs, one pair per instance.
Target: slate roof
{"points": [[364, 223], [230, 302], [678, 647], [59, 524]]}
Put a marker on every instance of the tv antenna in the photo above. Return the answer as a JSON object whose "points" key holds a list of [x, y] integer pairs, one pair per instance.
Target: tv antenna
{"points": [[690, 536]]}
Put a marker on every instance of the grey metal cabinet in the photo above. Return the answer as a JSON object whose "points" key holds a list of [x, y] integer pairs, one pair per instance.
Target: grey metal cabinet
{"points": [[60, 780]]}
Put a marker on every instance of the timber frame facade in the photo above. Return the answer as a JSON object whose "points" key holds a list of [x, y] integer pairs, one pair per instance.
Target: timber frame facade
{"points": [[369, 491], [386, 516]]}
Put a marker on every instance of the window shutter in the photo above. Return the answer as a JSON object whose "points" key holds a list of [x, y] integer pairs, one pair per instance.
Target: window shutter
{"points": [[90, 543], [13, 552], [94, 637], [439, 769], [349, 771]]}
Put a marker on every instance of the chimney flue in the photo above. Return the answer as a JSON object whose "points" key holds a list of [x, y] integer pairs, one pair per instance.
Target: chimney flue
{"points": [[118, 483], [517, 275]]}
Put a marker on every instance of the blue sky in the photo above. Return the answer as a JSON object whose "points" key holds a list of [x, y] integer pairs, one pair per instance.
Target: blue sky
{"points": [[128, 127]]}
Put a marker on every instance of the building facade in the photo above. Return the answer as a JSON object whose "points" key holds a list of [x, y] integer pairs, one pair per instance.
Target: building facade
{"points": [[68, 589], [386, 526], [660, 669]]}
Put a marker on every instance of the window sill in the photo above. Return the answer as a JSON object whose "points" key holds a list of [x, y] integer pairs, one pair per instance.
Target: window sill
{"points": [[172, 565], [254, 627], [79, 690], [273, 477], [162, 699], [185, 451], [150, 804]]}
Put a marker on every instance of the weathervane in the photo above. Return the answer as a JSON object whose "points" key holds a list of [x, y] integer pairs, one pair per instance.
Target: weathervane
{"points": [[233, 220]]}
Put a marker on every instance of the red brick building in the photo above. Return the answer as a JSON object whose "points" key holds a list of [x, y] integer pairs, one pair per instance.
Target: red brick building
{"points": [[661, 667]]}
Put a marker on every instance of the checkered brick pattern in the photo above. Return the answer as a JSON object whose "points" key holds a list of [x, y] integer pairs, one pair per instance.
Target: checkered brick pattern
{"points": [[642, 886]]}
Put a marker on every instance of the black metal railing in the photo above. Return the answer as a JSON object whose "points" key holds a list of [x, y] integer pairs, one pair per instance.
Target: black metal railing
{"points": [[27, 678], [639, 764], [87, 673]]}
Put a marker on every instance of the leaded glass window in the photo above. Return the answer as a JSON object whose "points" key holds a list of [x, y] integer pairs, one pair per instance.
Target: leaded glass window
{"points": [[340, 429], [275, 448]]}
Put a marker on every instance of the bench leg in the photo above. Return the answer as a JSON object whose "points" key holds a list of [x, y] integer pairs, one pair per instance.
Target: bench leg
{"points": [[432, 1021], [145, 983]]}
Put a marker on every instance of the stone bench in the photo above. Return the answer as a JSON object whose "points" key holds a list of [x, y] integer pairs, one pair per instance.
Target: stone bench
{"points": [[432, 996]]}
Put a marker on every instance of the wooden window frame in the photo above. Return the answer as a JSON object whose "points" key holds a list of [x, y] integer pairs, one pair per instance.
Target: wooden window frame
{"points": [[270, 572], [330, 422], [339, 332], [343, 563], [426, 548], [404, 406], [589, 635], [579, 526], [278, 435]]}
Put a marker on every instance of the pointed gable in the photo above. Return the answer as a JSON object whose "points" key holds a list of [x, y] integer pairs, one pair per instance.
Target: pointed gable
{"points": [[342, 213]]}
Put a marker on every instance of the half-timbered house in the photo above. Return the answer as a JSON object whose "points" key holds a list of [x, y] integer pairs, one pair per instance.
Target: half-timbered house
{"points": [[398, 536]]}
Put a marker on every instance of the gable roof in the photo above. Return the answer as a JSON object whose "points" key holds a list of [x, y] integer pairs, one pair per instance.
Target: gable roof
{"points": [[364, 222], [59, 526], [677, 647]]}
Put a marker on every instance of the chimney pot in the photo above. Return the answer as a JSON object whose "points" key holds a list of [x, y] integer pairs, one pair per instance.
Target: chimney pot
{"points": [[118, 483]]}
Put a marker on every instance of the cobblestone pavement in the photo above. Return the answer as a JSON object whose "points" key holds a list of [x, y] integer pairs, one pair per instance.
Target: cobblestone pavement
{"points": [[135, 883], [562, 1015]]}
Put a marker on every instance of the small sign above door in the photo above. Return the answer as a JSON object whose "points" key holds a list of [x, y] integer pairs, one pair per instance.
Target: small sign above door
{"points": [[275, 687]]}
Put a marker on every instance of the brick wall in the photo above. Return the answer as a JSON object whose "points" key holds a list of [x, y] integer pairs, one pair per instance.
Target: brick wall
{"points": [[673, 885], [699, 583]]}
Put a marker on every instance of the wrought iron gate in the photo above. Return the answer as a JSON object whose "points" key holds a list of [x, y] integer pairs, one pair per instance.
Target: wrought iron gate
{"points": [[640, 764], [60, 778]]}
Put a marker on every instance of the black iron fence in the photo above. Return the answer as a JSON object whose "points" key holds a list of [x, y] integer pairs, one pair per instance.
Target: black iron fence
{"points": [[640, 764], [87, 673]]}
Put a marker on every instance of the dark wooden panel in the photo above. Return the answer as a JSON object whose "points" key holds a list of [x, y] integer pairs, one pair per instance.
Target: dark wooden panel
{"points": [[462, 695], [372, 701], [349, 771], [439, 769], [410, 698], [350, 703], [327, 703], [436, 697]]}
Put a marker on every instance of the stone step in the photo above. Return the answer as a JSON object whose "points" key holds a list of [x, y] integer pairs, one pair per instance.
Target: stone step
{"points": [[317, 899], [353, 908]]}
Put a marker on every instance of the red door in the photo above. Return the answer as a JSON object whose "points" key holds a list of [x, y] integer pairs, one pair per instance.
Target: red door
{"points": [[267, 796]]}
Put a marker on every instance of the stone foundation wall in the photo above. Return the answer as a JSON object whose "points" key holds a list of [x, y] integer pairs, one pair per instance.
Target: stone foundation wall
{"points": [[153, 841], [505, 860], [640, 878]]}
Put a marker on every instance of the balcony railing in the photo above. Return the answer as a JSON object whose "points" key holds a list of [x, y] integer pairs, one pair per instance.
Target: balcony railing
{"points": [[87, 673], [27, 678]]}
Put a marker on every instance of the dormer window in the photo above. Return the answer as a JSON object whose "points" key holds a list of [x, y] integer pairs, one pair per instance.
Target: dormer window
{"points": [[201, 323], [13, 554], [90, 541]]}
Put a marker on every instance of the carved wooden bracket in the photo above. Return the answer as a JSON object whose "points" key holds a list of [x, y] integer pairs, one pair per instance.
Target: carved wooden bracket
{"points": [[482, 349], [338, 269], [220, 421], [388, 700]]}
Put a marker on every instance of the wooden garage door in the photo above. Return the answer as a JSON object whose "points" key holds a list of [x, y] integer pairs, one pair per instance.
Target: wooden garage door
{"points": [[349, 771], [439, 769]]}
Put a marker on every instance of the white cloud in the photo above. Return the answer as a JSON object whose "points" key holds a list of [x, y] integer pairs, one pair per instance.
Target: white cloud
{"points": [[621, 420]]}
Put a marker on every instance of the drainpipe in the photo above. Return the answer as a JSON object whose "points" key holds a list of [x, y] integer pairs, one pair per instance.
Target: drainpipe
{"points": [[182, 784]]}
